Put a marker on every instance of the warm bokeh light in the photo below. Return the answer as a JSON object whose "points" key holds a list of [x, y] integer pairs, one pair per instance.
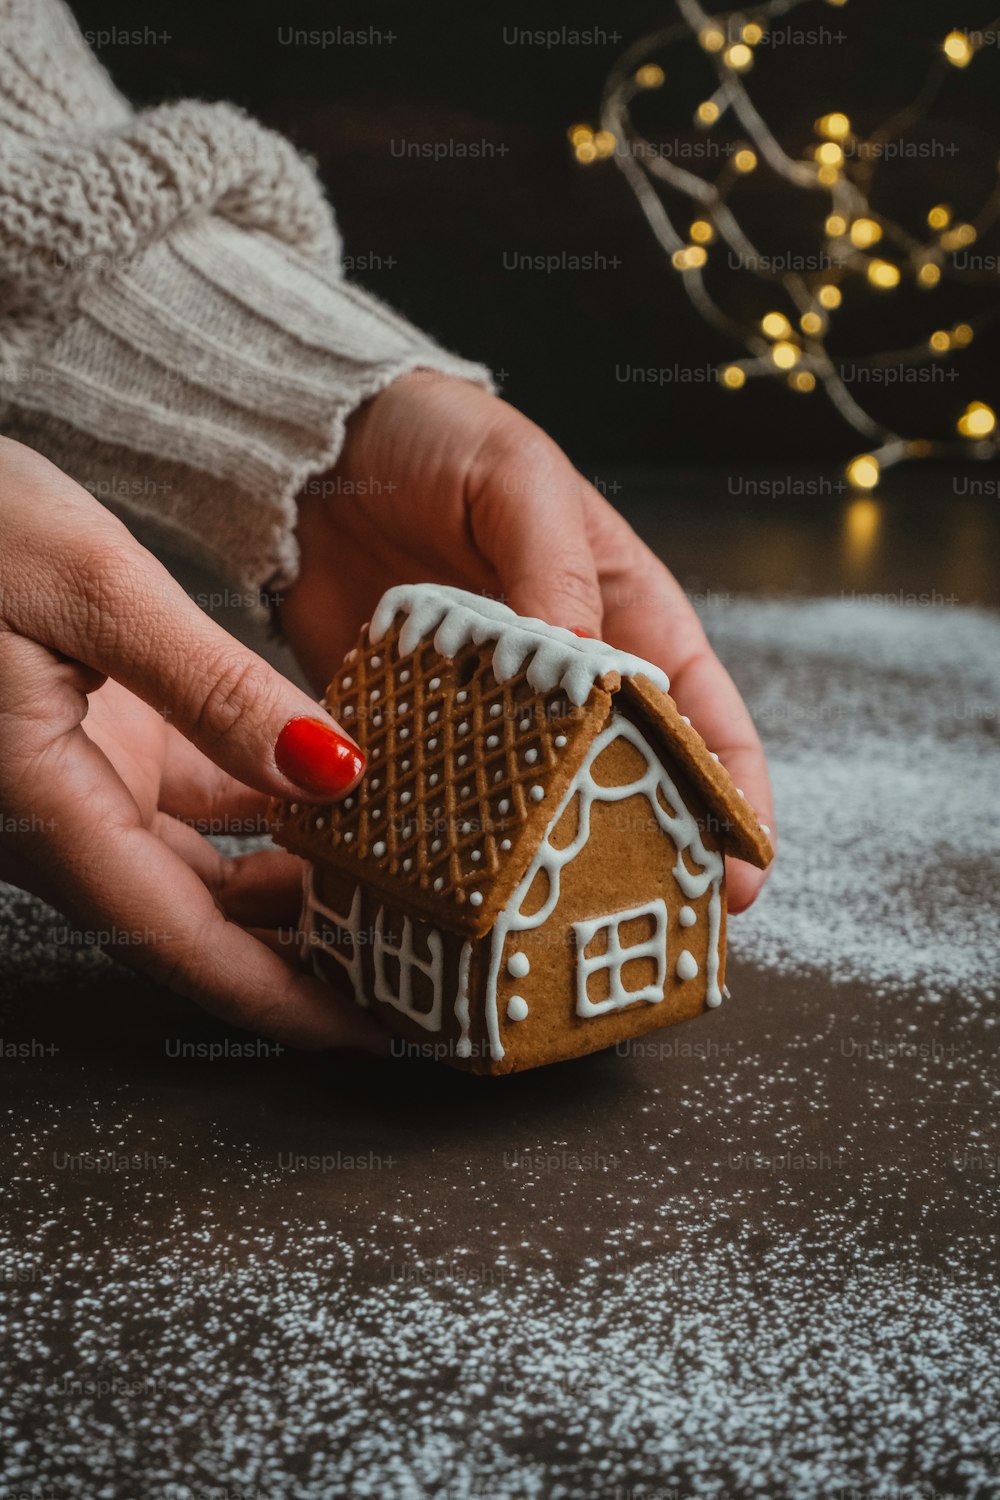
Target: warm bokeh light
{"points": [[775, 325], [701, 232], [939, 216], [707, 112], [977, 421], [738, 57], [586, 152], [929, 274], [829, 297], [863, 472], [752, 33], [958, 237], [785, 355], [829, 154], [580, 133], [827, 175], [865, 232], [604, 143], [957, 48], [811, 322], [883, 274], [733, 377], [835, 126], [745, 160], [713, 39], [802, 380], [649, 76], [940, 341], [835, 226], [961, 335], [861, 525]]}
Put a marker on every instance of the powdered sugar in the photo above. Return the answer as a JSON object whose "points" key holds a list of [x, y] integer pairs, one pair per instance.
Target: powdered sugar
{"points": [[882, 727], [754, 1253]]}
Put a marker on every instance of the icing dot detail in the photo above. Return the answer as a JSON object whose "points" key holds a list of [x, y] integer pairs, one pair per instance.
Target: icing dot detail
{"points": [[496, 709], [378, 849], [517, 1008], [476, 898], [560, 741], [687, 916], [505, 843], [531, 756], [537, 793], [348, 682], [518, 966], [687, 965]]}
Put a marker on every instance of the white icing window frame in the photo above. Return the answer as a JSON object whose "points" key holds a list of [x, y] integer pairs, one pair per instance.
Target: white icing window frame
{"points": [[408, 961], [313, 909], [615, 957]]}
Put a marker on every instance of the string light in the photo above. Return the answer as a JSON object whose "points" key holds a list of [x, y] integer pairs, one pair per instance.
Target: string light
{"points": [[865, 232], [957, 49], [835, 126], [864, 471], [883, 274], [838, 162], [738, 57], [977, 421], [775, 325], [649, 76], [785, 354]]}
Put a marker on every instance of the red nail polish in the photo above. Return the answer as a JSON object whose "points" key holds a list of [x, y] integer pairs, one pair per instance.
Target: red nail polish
{"points": [[584, 635], [318, 758]]}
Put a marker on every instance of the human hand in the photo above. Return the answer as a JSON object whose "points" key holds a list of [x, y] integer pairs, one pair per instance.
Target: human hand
{"points": [[441, 482], [101, 818]]}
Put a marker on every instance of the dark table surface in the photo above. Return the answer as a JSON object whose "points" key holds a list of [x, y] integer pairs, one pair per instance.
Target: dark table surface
{"points": [[759, 1260]]}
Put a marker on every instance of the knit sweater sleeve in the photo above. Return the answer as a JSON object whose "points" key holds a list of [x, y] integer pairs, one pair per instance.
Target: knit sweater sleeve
{"points": [[175, 330]]}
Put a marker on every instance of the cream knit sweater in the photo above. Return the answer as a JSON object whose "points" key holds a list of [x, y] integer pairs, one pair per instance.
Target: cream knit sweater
{"points": [[175, 332]]}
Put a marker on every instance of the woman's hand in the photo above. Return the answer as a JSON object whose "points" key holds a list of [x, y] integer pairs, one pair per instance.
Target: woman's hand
{"points": [[102, 818], [441, 482]]}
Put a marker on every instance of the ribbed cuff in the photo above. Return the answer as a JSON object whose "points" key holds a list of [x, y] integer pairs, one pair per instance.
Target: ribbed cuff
{"points": [[198, 388]]}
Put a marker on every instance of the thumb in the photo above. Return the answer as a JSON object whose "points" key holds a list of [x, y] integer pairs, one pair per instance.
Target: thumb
{"points": [[526, 507]]}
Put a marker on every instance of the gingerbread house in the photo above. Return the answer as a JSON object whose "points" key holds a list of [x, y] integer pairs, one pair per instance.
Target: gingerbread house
{"points": [[533, 865]]}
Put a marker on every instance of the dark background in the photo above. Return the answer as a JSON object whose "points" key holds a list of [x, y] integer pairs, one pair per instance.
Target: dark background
{"points": [[430, 236]]}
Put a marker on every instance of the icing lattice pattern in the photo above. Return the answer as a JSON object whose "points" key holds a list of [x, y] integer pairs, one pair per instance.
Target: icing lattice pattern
{"points": [[457, 764]]}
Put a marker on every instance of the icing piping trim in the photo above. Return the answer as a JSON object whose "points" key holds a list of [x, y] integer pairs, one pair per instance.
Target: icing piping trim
{"points": [[313, 907], [555, 657], [463, 1047], [680, 825]]}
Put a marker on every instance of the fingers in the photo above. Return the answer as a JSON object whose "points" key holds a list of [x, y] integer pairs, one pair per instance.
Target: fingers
{"points": [[262, 889], [95, 595], [206, 797], [648, 613], [82, 832], [525, 504]]}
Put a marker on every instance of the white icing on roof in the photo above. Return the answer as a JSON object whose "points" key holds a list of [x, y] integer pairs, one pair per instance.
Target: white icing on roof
{"points": [[555, 657]]}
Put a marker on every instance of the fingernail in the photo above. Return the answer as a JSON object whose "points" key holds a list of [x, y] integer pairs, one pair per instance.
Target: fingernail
{"points": [[318, 758], [586, 635]]}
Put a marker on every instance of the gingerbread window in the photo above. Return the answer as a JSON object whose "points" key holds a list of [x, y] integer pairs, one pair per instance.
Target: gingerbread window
{"points": [[621, 959], [408, 972]]}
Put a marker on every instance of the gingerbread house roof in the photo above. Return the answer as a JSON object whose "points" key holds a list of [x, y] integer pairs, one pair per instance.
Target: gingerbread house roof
{"points": [[474, 721]]}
